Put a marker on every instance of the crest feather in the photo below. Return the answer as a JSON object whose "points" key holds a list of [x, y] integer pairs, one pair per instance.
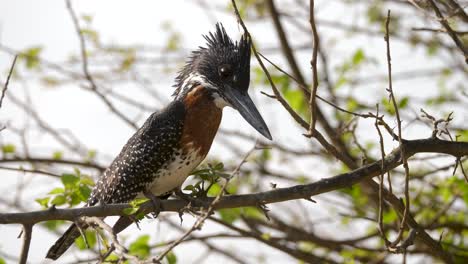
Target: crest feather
{"points": [[218, 40]]}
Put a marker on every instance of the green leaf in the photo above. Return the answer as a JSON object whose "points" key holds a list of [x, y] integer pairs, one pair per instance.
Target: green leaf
{"points": [[8, 148], [266, 154], [462, 135], [57, 190], [358, 57], [90, 238], [230, 215], [252, 212], [87, 18], [53, 224], [2, 261], [189, 187], [140, 247], [31, 56], [302, 179], [130, 211], [352, 104], [86, 180], [171, 258], [173, 43], [44, 202], [84, 192], [214, 190], [75, 198], [432, 47], [388, 106], [266, 236], [57, 155], [389, 217], [112, 258], [138, 201], [90, 34], [69, 181], [128, 61], [219, 166], [342, 80], [91, 154], [59, 200], [403, 103]]}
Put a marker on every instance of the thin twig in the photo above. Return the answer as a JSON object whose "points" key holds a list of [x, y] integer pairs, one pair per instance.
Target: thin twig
{"points": [[5, 86], [120, 249], [313, 62], [400, 139], [89, 77], [278, 95], [381, 182], [35, 171], [307, 92], [452, 34]]}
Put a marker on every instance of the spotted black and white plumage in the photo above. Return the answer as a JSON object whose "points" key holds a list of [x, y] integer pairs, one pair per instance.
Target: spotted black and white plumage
{"points": [[144, 159], [174, 141]]}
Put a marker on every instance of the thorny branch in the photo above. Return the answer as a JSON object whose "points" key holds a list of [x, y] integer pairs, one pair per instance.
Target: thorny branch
{"points": [[392, 160]]}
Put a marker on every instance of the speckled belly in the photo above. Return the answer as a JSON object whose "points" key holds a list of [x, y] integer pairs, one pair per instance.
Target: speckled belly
{"points": [[175, 173]]}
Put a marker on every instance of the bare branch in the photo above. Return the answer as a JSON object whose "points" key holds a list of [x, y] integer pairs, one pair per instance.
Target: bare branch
{"points": [[450, 31], [313, 62], [5, 86]]}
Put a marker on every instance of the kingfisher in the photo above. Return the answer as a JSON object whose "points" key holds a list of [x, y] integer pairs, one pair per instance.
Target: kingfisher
{"points": [[172, 142]]}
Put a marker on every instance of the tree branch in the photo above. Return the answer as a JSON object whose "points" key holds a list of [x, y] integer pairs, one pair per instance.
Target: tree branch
{"points": [[5, 87], [450, 31], [344, 180], [27, 234]]}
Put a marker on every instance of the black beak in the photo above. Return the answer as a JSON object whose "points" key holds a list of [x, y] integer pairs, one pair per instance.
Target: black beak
{"points": [[241, 101]]}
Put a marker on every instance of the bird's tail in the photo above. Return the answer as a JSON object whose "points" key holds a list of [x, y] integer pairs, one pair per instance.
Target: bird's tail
{"points": [[64, 242]]}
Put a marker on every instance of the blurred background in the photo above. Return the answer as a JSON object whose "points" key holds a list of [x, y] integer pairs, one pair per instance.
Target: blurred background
{"points": [[54, 123]]}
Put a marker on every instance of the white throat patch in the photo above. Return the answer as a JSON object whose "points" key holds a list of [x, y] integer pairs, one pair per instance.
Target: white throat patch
{"points": [[220, 102], [195, 78]]}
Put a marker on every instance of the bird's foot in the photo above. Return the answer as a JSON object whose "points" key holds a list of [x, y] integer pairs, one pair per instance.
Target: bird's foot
{"points": [[186, 197], [156, 203]]}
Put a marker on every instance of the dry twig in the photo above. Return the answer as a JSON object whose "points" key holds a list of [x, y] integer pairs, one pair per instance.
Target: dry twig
{"points": [[5, 86]]}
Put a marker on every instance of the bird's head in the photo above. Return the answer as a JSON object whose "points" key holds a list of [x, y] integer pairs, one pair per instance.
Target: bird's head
{"points": [[223, 68]]}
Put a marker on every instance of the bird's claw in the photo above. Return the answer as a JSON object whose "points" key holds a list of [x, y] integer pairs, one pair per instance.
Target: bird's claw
{"points": [[156, 203], [186, 197]]}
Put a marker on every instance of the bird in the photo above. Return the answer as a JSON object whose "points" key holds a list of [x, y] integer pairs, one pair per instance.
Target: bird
{"points": [[172, 142]]}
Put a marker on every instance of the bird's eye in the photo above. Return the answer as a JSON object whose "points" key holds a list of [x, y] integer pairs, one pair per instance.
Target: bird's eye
{"points": [[225, 70]]}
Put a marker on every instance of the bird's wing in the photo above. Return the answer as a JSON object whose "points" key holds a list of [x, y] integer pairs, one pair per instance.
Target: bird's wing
{"points": [[144, 154], [147, 151]]}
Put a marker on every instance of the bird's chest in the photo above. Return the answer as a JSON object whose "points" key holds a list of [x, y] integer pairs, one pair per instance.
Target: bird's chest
{"points": [[174, 172], [201, 122]]}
